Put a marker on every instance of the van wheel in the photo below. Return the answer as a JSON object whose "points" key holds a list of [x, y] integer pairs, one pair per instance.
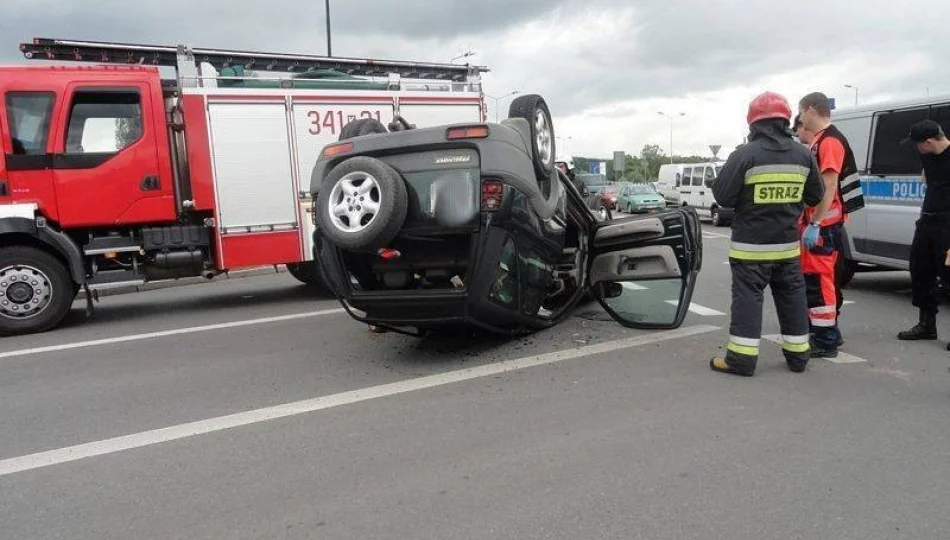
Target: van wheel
{"points": [[533, 109], [716, 217], [36, 291]]}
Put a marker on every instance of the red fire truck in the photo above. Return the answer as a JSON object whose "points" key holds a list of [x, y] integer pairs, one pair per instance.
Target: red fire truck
{"points": [[163, 162]]}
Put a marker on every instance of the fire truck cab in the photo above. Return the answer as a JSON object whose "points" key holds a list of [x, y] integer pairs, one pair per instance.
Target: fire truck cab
{"points": [[111, 175]]}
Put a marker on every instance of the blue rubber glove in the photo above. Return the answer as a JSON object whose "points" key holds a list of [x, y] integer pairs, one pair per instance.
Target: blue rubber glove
{"points": [[810, 238]]}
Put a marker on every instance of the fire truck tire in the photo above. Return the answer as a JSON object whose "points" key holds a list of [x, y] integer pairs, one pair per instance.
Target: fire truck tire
{"points": [[363, 126], [363, 205], [36, 290], [533, 108], [307, 273]]}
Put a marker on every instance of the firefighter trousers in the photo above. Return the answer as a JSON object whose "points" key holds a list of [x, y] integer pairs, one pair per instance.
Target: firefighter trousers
{"points": [[823, 291], [749, 280]]}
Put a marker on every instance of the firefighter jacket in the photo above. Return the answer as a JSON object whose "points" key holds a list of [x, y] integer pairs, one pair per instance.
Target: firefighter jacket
{"points": [[768, 182]]}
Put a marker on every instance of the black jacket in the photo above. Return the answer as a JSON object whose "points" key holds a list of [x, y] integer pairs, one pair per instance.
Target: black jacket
{"points": [[768, 182]]}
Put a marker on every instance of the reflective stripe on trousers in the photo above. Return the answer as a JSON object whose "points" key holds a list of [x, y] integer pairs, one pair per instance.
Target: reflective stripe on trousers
{"points": [[764, 252], [749, 282]]}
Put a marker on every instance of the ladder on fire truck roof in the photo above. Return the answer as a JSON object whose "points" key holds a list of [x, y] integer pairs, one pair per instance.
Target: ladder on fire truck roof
{"points": [[186, 60]]}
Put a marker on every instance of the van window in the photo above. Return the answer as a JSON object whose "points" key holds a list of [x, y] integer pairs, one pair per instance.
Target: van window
{"points": [[889, 156], [28, 117], [103, 121], [687, 171], [941, 115], [710, 176], [698, 176]]}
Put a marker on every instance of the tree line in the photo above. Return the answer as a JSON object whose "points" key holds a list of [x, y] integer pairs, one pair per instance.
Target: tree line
{"points": [[644, 167]]}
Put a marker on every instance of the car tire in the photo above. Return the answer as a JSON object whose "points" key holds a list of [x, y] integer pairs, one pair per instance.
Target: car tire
{"points": [[41, 283], [363, 126], [533, 109], [359, 181], [845, 271], [308, 273], [716, 217]]}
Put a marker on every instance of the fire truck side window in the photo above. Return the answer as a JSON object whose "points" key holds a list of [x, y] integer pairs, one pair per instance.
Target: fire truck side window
{"points": [[28, 116], [103, 122]]}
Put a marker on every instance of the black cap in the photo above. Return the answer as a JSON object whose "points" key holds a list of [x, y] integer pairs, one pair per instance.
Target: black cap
{"points": [[923, 130]]}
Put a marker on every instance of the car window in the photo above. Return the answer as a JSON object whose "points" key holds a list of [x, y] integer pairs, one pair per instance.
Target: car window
{"points": [[890, 157]]}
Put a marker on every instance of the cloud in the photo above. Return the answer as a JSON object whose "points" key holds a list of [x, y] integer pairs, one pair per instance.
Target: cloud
{"points": [[605, 66]]}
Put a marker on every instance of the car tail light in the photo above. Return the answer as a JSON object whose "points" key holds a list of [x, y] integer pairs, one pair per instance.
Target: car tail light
{"points": [[467, 132], [493, 192], [337, 149], [388, 254]]}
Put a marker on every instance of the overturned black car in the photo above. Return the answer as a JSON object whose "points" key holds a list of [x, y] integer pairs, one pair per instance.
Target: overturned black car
{"points": [[472, 224]]}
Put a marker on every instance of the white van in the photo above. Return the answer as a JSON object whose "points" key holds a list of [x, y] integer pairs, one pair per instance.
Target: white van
{"points": [[690, 184], [880, 234]]}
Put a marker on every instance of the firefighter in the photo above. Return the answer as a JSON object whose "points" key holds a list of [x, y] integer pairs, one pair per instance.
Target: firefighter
{"points": [[768, 181], [822, 226]]}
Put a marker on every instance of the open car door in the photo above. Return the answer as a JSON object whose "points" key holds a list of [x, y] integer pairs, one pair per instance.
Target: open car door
{"points": [[643, 269]]}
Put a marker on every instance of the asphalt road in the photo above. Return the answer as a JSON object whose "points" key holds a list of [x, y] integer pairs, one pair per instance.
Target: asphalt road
{"points": [[253, 408]]}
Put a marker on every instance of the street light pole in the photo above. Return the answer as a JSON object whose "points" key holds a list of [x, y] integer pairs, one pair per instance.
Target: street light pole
{"points": [[670, 118], [498, 99], [464, 55], [329, 47], [855, 88]]}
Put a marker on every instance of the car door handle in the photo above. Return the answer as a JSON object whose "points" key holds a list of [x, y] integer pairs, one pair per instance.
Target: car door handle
{"points": [[4, 188], [150, 183]]}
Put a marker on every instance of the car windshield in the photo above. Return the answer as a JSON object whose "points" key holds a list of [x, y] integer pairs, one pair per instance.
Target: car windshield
{"points": [[642, 189]]}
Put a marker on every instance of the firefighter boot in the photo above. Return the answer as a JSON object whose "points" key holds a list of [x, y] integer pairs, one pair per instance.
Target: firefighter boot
{"points": [[925, 329], [734, 364]]}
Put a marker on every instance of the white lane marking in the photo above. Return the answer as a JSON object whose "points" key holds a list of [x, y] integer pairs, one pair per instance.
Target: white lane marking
{"points": [[842, 358], [847, 302], [698, 309], [633, 286], [166, 333], [191, 429]]}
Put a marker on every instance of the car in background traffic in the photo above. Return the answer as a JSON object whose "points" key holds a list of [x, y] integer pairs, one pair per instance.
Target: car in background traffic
{"points": [[640, 199]]}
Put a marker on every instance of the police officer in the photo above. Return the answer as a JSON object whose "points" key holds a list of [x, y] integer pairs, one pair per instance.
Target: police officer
{"points": [[932, 235], [767, 181]]}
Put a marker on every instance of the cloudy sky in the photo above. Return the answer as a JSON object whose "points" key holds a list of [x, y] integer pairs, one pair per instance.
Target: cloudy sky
{"points": [[606, 67]]}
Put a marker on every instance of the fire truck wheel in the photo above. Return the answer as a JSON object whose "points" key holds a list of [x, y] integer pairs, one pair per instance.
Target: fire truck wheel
{"points": [[307, 273], [36, 291], [533, 109], [364, 205], [363, 126]]}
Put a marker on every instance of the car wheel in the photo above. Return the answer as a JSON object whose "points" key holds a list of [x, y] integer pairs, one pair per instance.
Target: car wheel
{"points": [[846, 268], [35, 288], [533, 109], [362, 205], [308, 273], [715, 217], [363, 126]]}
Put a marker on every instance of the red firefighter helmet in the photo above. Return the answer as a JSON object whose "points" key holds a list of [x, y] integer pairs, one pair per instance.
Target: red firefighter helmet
{"points": [[768, 105]]}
